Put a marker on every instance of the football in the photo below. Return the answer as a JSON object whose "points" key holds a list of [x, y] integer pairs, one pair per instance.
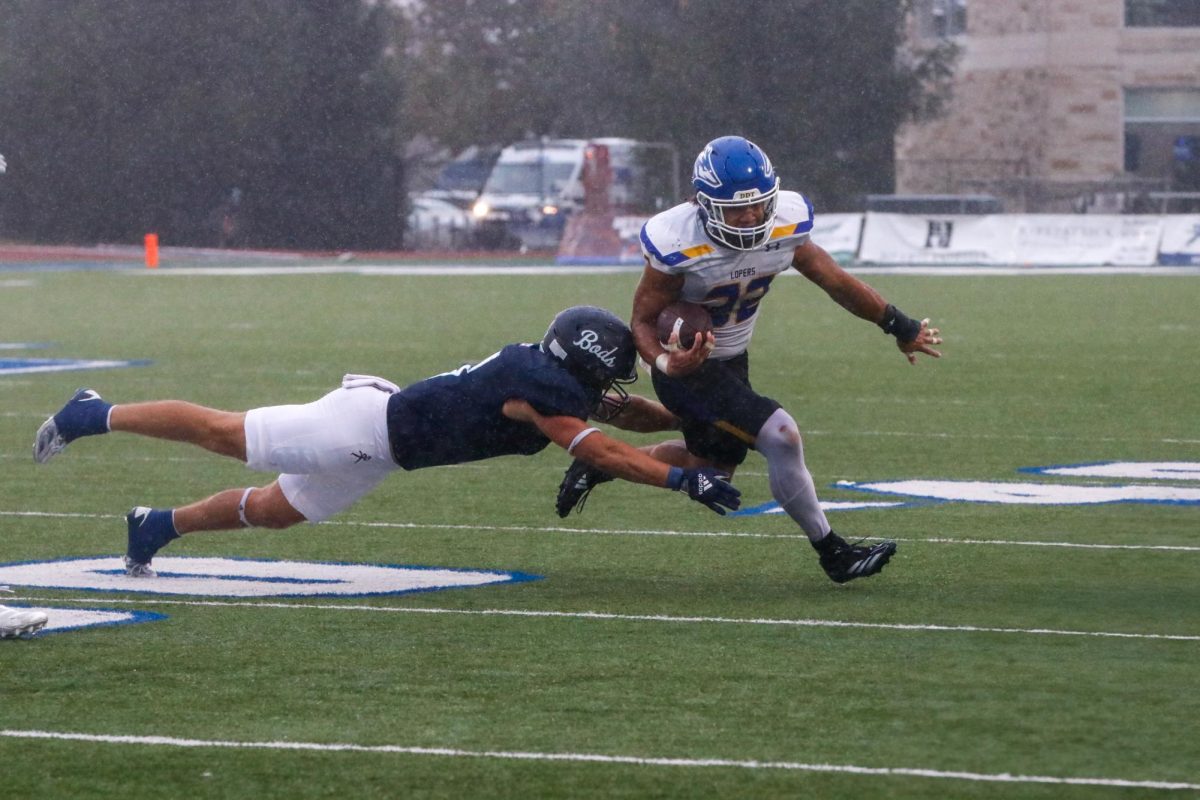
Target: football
{"points": [[686, 318]]}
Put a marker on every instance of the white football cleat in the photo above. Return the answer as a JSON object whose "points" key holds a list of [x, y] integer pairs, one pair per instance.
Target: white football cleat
{"points": [[20, 622]]}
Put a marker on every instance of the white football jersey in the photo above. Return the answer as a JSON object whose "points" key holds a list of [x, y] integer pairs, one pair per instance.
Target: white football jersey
{"points": [[729, 282]]}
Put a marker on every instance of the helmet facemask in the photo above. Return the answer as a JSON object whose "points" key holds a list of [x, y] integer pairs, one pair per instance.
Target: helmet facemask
{"points": [[613, 399], [714, 209]]}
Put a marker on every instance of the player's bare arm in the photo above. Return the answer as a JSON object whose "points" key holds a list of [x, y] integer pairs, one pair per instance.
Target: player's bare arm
{"points": [[705, 485], [912, 337], [643, 415], [601, 451], [811, 261], [655, 291]]}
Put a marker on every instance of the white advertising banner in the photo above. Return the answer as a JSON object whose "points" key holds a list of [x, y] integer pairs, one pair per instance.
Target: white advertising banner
{"points": [[1086, 239], [934, 239], [838, 234], [1034, 239], [1180, 240]]}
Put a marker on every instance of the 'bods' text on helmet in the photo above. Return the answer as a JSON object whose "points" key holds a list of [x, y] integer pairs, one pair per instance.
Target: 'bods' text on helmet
{"points": [[597, 348], [733, 173]]}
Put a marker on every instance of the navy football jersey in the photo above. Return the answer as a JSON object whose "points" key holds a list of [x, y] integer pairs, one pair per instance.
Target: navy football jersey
{"points": [[456, 417]]}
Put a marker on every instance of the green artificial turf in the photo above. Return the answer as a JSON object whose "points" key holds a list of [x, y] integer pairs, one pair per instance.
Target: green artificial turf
{"points": [[645, 638]]}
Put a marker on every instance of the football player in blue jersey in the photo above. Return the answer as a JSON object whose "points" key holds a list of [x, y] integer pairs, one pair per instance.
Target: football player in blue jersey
{"points": [[331, 452], [723, 251]]}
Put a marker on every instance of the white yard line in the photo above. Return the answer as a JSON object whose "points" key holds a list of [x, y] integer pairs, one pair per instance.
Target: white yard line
{"points": [[434, 526], [598, 758], [605, 616]]}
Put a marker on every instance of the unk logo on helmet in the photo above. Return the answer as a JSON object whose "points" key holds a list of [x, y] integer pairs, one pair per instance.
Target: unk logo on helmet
{"points": [[587, 343], [704, 170]]}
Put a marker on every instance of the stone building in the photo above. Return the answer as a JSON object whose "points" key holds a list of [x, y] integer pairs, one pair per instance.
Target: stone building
{"points": [[1062, 105]]}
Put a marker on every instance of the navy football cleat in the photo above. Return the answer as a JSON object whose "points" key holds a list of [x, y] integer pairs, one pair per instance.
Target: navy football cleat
{"points": [[85, 414], [148, 530], [579, 481], [844, 562]]}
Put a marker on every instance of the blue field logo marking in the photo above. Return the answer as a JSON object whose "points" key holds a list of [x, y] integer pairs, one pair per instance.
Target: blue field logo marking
{"points": [[236, 577], [826, 505], [1135, 470], [61, 620], [920, 491], [1040, 494], [1059, 493], [26, 366]]}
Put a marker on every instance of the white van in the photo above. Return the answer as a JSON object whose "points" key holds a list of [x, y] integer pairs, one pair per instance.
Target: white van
{"points": [[535, 185]]}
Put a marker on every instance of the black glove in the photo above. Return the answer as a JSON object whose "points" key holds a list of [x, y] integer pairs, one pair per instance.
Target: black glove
{"points": [[706, 485]]}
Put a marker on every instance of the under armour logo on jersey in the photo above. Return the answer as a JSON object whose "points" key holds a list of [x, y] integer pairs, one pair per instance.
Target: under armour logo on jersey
{"points": [[360, 456]]}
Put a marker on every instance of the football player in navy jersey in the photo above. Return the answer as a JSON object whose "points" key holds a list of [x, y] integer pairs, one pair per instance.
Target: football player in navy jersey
{"points": [[723, 251], [331, 452]]}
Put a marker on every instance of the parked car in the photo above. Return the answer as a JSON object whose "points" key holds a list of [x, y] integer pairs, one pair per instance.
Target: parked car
{"points": [[536, 185], [438, 224]]}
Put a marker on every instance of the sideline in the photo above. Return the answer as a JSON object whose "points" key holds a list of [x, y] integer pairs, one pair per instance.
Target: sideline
{"points": [[477, 269], [350, 266]]}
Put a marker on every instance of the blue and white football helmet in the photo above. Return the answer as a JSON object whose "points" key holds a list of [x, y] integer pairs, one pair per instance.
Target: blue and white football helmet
{"points": [[734, 172]]}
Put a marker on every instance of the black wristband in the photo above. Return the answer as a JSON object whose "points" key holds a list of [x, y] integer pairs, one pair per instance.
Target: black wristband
{"points": [[900, 325]]}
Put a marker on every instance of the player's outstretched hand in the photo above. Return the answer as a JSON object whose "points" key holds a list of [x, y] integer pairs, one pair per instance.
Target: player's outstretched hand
{"points": [[708, 486], [926, 337]]}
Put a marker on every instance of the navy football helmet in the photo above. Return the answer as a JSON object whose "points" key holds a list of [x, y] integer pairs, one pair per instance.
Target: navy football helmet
{"points": [[597, 348], [733, 172]]}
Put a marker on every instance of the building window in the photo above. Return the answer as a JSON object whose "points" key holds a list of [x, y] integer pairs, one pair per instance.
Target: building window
{"points": [[1162, 13], [1162, 105], [941, 19], [1162, 136]]}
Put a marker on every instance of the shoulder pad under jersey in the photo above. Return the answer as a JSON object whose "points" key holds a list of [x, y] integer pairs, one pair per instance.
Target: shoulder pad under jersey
{"points": [[793, 217], [675, 237]]}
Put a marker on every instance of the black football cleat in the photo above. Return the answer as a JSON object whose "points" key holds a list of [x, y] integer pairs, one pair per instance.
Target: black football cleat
{"points": [[576, 485], [844, 562]]}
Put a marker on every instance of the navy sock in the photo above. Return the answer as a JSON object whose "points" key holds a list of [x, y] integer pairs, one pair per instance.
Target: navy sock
{"points": [[85, 415], [160, 525]]}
